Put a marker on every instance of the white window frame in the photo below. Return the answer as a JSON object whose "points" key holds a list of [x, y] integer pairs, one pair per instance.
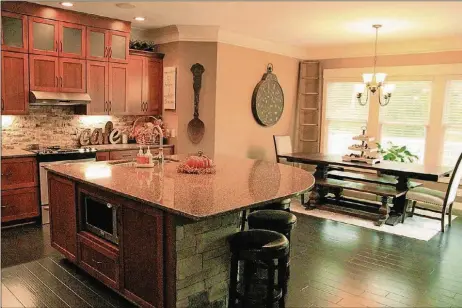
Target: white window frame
{"points": [[445, 126], [438, 74]]}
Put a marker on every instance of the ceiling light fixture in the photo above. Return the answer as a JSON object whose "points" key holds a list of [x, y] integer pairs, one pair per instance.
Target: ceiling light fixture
{"points": [[375, 82], [126, 6], [139, 18], [68, 4]]}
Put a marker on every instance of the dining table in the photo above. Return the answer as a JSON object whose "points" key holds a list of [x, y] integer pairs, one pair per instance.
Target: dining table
{"points": [[402, 172]]}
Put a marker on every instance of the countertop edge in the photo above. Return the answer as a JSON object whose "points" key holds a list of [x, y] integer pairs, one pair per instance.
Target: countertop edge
{"points": [[172, 211], [120, 147]]}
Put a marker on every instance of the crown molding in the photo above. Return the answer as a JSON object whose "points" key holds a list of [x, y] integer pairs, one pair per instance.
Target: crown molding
{"points": [[188, 33]]}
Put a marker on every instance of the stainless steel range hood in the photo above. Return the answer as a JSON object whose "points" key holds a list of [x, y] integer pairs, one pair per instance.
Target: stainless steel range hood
{"points": [[41, 98]]}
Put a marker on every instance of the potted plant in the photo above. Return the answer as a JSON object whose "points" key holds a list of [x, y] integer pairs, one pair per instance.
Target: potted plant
{"points": [[396, 153]]}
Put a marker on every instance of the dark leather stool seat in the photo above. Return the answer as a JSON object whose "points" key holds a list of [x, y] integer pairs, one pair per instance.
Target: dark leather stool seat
{"points": [[283, 205], [275, 220], [258, 250]]}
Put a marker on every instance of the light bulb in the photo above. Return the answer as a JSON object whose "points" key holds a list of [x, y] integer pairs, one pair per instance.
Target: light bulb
{"points": [[68, 4], [380, 77], [359, 88], [367, 78], [389, 88]]}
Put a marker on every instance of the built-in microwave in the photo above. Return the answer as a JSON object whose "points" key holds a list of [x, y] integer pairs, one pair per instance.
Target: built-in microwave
{"points": [[100, 218]]}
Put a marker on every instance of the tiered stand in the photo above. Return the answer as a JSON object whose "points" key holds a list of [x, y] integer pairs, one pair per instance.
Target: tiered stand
{"points": [[364, 149]]}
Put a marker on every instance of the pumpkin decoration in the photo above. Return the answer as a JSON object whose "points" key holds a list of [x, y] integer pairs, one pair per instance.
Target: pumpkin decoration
{"points": [[200, 164]]}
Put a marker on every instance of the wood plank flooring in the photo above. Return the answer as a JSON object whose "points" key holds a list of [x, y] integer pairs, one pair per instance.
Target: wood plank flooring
{"points": [[332, 265]]}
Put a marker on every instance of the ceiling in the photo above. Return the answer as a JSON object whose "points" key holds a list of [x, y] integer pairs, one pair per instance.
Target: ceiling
{"points": [[303, 24]]}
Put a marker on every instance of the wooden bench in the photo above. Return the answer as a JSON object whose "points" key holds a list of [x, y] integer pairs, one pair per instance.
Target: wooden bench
{"points": [[336, 187], [369, 178]]}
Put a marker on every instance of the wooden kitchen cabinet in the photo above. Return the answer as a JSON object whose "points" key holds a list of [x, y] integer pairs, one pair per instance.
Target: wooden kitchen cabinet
{"points": [[118, 46], [118, 88], [55, 74], [142, 244], [44, 73], [136, 84], [154, 80], [102, 156], [15, 83], [126, 154], [43, 36], [19, 189], [145, 84], [72, 40], [62, 201], [14, 32], [19, 204], [97, 44], [19, 173], [72, 75], [97, 87]]}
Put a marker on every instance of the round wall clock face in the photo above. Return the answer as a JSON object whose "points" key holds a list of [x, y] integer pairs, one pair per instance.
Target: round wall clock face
{"points": [[268, 100]]}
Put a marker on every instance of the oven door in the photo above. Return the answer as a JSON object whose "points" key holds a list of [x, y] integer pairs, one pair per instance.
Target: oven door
{"points": [[100, 218], [44, 185]]}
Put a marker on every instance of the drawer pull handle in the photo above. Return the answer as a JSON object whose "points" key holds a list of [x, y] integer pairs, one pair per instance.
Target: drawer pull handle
{"points": [[7, 174], [97, 262], [5, 206]]}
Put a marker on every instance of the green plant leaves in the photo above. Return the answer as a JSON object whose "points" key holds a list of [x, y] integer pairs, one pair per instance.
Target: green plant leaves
{"points": [[396, 153]]}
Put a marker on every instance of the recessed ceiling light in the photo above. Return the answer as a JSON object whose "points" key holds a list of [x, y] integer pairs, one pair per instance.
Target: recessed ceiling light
{"points": [[125, 5], [68, 4], [139, 18]]}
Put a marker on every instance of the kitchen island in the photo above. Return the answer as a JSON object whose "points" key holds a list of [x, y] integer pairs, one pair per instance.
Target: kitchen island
{"points": [[156, 236]]}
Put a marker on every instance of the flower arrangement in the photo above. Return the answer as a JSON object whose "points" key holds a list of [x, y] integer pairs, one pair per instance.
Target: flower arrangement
{"points": [[143, 45], [396, 153]]}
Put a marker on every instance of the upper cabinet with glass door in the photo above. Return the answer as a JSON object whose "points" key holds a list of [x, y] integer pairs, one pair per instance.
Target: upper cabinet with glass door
{"points": [[14, 32], [107, 45], [43, 36], [72, 40]]}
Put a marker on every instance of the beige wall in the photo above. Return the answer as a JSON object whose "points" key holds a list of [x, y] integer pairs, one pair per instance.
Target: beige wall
{"points": [[183, 55], [239, 69]]}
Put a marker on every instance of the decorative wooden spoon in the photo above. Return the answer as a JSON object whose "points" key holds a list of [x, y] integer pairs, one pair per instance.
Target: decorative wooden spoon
{"points": [[196, 127]]}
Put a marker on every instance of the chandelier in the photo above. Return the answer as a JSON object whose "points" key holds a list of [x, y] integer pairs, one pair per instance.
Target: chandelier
{"points": [[375, 82]]}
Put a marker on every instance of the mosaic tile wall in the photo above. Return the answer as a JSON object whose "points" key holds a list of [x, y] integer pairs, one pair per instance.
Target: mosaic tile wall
{"points": [[50, 125]]}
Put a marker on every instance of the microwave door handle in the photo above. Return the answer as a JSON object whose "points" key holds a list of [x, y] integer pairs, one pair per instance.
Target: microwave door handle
{"points": [[114, 223]]}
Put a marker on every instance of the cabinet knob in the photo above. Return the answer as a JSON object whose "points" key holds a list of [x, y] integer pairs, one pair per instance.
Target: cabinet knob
{"points": [[5, 206], [97, 262], [3, 104]]}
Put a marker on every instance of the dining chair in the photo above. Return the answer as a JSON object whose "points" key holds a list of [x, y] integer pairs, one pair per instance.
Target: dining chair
{"points": [[437, 201], [283, 145]]}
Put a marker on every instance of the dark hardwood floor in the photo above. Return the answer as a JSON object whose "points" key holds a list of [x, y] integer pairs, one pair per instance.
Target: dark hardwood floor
{"points": [[333, 265]]}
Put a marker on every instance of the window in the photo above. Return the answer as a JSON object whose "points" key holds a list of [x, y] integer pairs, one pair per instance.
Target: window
{"points": [[344, 116], [404, 120], [452, 121]]}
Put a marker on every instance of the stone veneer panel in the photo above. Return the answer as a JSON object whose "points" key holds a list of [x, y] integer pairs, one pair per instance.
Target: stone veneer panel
{"points": [[50, 125], [203, 261]]}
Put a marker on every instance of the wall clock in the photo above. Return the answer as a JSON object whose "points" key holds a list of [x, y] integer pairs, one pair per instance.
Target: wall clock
{"points": [[268, 99]]}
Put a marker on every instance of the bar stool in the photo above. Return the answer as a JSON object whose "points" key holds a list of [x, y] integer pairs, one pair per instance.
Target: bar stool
{"points": [[258, 249], [283, 205], [274, 220]]}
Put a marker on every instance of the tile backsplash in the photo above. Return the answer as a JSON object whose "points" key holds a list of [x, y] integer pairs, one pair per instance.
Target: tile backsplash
{"points": [[49, 125]]}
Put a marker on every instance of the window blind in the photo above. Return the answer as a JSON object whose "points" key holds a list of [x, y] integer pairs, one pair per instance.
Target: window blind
{"points": [[452, 119], [344, 116], [410, 103], [341, 103]]}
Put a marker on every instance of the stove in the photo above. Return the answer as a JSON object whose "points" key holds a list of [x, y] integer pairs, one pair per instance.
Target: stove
{"points": [[57, 153]]}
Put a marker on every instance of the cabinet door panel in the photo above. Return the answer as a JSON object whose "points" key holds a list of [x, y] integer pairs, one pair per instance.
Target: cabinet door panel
{"points": [[136, 76], [119, 42], [154, 86], [15, 83], [19, 173], [142, 243], [44, 73], [118, 85], [43, 36], [14, 32], [20, 204], [72, 75], [97, 44], [97, 86], [72, 40], [63, 222]]}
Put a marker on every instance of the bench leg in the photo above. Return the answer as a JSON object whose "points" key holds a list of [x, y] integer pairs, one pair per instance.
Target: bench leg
{"points": [[384, 212]]}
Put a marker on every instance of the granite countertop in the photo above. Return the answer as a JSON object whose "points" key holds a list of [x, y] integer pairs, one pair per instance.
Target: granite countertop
{"points": [[127, 146], [238, 184], [16, 153]]}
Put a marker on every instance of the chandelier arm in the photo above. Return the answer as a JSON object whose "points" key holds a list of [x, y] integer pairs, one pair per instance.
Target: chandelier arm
{"points": [[360, 102], [386, 98]]}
